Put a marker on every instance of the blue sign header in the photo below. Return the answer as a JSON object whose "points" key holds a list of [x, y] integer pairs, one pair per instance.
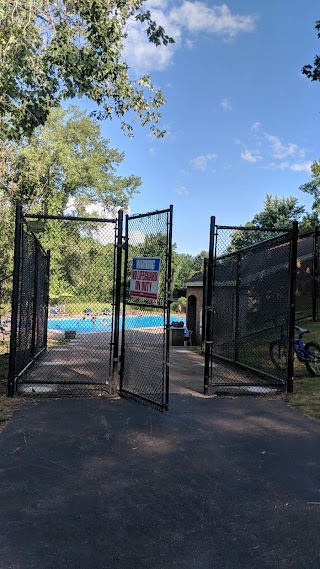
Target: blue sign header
{"points": [[146, 264]]}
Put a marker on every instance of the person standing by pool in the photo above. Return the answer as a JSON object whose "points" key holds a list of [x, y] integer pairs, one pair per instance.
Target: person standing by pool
{"points": [[94, 319]]}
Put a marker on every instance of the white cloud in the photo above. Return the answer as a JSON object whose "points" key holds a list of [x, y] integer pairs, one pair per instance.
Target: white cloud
{"points": [[301, 167], [198, 17], [201, 162], [302, 153], [255, 126], [189, 43], [144, 56], [280, 150], [226, 105], [182, 191], [250, 156], [150, 4], [277, 155], [189, 17], [294, 167]]}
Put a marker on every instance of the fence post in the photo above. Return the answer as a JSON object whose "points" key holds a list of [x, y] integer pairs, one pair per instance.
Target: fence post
{"points": [[168, 301], [47, 298], [115, 361], [35, 299], [292, 308], [204, 301], [209, 307], [124, 297], [237, 319], [15, 301], [315, 275]]}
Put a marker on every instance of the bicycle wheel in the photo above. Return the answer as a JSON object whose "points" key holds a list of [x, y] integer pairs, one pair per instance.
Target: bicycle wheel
{"points": [[278, 354], [313, 365]]}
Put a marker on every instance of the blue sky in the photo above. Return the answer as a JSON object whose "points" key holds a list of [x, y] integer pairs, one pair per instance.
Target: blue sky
{"points": [[241, 119]]}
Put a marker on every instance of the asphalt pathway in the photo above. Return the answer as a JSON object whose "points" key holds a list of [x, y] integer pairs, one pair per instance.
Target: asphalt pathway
{"points": [[215, 483]]}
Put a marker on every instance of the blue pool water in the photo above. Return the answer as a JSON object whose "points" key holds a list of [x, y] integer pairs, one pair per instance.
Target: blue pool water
{"points": [[103, 323]]}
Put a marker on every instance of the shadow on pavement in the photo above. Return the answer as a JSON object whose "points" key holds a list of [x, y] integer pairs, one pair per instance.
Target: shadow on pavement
{"points": [[214, 483]]}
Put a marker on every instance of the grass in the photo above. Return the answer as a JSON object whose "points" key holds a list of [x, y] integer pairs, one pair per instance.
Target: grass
{"points": [[195, 349], [3, 418], [306, 396], [53, 343], [306, 389], [7, 406]]}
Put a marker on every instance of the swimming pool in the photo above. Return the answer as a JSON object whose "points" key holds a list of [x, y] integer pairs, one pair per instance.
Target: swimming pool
{"points": [[103, 323]]}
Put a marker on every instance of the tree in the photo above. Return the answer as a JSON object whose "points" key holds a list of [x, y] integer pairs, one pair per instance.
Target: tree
{"points": [[198, 261], [313, 72], [313, 188], [184, 267], [6, 237], [277, 212], [52, 51], [65, 161]]}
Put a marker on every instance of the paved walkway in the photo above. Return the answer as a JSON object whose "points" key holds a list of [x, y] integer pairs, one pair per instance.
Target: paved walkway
{"points": [[215, 483]]}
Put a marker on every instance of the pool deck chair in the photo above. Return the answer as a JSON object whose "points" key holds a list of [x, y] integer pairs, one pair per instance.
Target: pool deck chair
{"points": [[187, 338]]}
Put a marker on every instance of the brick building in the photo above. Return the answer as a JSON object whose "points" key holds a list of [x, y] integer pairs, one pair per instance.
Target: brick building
{"points": [[194, 307]]}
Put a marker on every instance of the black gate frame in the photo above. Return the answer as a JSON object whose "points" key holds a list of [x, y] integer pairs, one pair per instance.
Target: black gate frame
{"points": [[121, 243], [14, 374], [208, 296], [133, 393]]}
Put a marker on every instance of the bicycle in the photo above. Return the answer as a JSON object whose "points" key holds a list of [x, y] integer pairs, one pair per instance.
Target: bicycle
{"points": [[308, 353]]}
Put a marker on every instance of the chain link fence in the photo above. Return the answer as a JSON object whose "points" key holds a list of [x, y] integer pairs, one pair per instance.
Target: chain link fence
{"points": [[145, 335], [5, 330], [30, 337], [250, 302], [307, 290], [70, 322]]}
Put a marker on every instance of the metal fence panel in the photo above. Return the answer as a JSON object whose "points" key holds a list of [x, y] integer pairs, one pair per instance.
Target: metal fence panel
{"points": [[145, 340], [251, 302], [71, 322], [305, 276], [28, 320]]}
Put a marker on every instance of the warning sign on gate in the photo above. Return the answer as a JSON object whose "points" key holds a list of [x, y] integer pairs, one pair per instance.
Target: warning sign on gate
{"points": [[145, 277]]}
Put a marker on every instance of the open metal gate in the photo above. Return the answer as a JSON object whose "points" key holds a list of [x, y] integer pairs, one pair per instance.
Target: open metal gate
{"points": [[79, 343], [75, 339], [250, 304], [144, 373]]}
